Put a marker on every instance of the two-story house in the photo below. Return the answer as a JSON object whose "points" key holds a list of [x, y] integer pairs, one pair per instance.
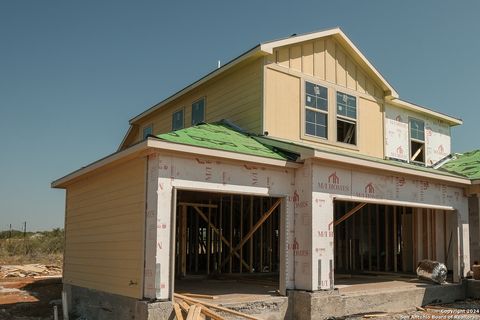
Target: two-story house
{"points": [[296, 160]]}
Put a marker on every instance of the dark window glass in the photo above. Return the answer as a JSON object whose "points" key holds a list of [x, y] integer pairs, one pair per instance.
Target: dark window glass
{"points": [[177, 120], [147, 131], [198, 111], [316, 108], [417, 129], [346, 105]]}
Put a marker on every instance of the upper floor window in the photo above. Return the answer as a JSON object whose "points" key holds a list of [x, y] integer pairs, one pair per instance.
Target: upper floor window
{"points": [[346, 118], [198, 111], [177, 120], [417, 140], [316, 110], [148, 130]]}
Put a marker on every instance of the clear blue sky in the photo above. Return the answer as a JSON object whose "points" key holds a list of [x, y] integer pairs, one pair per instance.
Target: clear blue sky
{"points": [[73, 72]]}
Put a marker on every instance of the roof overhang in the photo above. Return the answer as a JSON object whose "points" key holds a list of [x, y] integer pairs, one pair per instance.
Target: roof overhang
{"points": [[416, 108], [266, 49], [373, 165], [309, 152], [342, 38], [254, 52], [152, 145]]}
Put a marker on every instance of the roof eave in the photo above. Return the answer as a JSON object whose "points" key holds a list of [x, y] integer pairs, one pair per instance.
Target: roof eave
{"points": [[152, 144], [250, 53], [386, 167], [268, 47], [416, 108]]}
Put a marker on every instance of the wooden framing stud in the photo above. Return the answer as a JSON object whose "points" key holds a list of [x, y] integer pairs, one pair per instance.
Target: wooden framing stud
{"points": [[254, 229]]}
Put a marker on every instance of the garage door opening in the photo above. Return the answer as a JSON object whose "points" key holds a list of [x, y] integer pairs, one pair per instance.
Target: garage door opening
{"points": [[227, 244], [388, 240]]}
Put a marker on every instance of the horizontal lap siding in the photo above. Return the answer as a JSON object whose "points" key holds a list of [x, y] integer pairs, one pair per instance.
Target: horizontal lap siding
{"points": [[105, 230], [236, 96]]}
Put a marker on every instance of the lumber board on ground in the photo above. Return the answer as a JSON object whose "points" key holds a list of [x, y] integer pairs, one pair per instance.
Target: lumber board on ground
{"points": [[178, 312], [210, 305], [201, 296]]}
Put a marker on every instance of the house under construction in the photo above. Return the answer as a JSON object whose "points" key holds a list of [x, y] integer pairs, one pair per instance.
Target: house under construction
{"points": [[291, 183]]}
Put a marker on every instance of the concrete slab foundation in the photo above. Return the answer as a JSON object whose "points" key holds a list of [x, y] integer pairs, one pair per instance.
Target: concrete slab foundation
{"points": [[93, 304], [362, 295], [322, 305], [473, 288]]}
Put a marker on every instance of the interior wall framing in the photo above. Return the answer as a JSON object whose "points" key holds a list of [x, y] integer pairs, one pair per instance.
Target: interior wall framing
{"points": [[331, 182], [210, 234], [394, 239], [170, 173]]}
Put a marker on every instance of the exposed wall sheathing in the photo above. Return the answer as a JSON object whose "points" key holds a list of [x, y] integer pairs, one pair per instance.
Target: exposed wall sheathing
{"points": [[397, 141], [329, 182], [307, 211], [166, 173]]}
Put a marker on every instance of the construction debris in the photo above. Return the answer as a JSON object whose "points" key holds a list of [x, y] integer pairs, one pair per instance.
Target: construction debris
{"points": [[432, 270], [196, 309], [201, 296], [29, 270]]}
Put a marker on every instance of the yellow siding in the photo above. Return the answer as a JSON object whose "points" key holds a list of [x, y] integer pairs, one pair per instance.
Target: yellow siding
{"points": [[235, 95], [105, 229], [330, 62], [370, 127], [284, 115], [319, 59], [282, 105]]}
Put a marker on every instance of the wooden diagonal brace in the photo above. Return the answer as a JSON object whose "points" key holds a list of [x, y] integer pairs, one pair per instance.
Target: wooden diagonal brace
{"points": [[349, 213], [252, 231], [418, 152], [215, 229]]}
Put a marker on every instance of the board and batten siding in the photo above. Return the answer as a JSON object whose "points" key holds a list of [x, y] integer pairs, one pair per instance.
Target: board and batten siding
{"points": [[104, 230], [235, 95], [325, 59], [324, 62]]}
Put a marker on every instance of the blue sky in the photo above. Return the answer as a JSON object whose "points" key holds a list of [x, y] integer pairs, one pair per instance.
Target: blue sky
{"points": [[73, 72]]}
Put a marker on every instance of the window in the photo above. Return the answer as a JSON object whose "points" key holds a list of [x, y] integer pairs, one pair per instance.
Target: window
{"points": [[148, 130], [177, 120], [198, 111], [417, 140], [316, 110], [346, 118]]}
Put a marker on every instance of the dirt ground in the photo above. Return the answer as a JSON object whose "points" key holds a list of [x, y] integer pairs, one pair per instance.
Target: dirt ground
{"points": [[29, 298]]}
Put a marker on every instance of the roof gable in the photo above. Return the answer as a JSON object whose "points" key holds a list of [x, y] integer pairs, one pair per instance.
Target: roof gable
{"points": [[347, 44]]}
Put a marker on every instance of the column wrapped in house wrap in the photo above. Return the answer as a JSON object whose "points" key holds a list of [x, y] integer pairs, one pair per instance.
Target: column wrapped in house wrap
{"points": [[432, 270]]}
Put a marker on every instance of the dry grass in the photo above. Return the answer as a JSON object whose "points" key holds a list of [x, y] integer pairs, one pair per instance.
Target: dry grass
{"points": [[42, 247]]}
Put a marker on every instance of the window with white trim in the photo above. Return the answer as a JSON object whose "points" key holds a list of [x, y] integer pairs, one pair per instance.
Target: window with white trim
{"points": [[177, 120], [198, 111], [346, 118], [316, 110], [417, 140]]}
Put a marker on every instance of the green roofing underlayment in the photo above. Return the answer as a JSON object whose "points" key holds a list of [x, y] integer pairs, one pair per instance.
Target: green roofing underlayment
{"points": [[221, 136], [466, 164], [224, 136]]}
